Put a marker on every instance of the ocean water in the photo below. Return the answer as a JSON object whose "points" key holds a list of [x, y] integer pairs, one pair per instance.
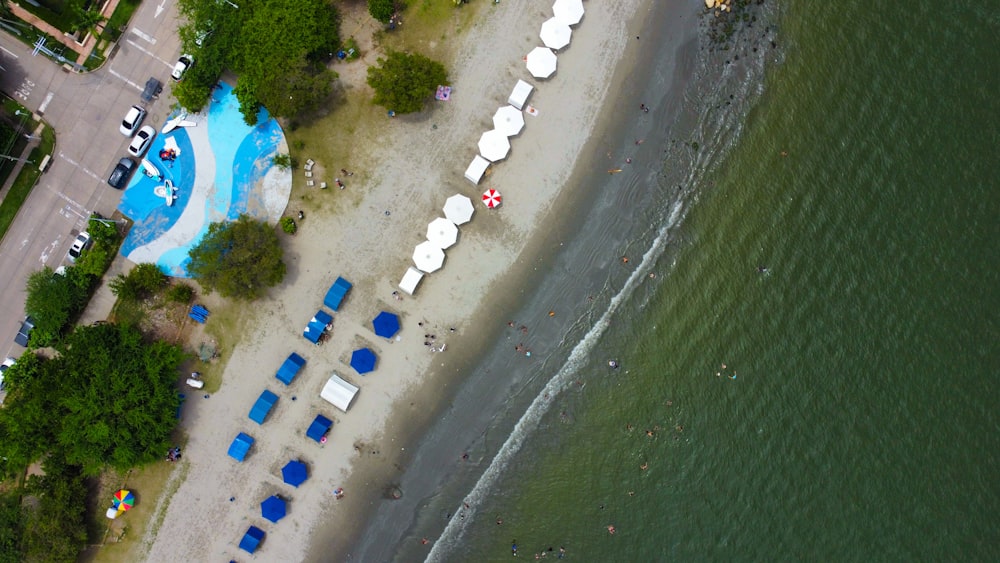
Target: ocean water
{"points": [[811, 372]]}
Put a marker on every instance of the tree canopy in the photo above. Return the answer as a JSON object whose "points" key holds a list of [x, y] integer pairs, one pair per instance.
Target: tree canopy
{"points": [[382, 10], [239, 259], [108, 398], [54, 301], [278, 49], [404, 82]]}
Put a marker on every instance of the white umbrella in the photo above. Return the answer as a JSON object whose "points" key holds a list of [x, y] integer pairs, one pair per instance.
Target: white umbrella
{"points": [[508, 120], [458, 209], [442, 232], [541, 62], [570, 12], [428, 257], [555, 34], [494, 145]]}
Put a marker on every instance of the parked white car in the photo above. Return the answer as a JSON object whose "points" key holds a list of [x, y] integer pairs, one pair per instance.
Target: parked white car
{"points": [[141, 141], [81, 243], [132, 121], [181, 67]]}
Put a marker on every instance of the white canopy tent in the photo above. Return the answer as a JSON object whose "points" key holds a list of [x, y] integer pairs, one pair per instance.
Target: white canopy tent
{"points": [[555, 34], [442, 232], [494, 145], [458, 209], [519, 96], [338, 392], [541, 62], [508, 120], [474, 173], [570, 12], [411, 279], [428, 257]]}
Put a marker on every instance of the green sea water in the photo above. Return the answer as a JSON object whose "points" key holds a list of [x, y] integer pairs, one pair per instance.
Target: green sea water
{"points": [[843, 403]]}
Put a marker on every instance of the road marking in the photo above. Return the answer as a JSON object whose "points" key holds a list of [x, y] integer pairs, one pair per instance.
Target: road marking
{"points": [[45, 102], [85, 170], [143, 35], [160, 7], [127, 81], [69, 211], [148, 52], [9, 53]]}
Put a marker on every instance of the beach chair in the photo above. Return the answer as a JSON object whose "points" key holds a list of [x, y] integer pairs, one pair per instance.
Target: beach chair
{"points": [[322, 185], [309, 174], [310, 183]]}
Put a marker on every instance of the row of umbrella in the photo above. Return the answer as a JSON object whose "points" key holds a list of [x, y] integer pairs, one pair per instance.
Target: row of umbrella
{"points": [[555, 34]]}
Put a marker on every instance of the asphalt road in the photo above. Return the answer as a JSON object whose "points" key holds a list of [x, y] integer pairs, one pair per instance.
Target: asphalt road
{"points": [[85, 111]]}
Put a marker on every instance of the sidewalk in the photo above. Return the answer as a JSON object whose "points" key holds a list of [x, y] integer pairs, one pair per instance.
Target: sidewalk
{"points": [[82, 50]]}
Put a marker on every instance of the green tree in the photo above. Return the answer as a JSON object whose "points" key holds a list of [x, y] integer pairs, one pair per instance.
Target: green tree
{"points": [[106, 398], [53, 301], [141, 282], [404, 82], [278, 49], [87, 20], [29, 419], [11, 527], [240, 259], [382, 10], [117, 397], [55, 529]]}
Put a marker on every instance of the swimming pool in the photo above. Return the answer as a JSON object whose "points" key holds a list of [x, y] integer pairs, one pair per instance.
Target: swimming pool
{"points": [[222, 168]]}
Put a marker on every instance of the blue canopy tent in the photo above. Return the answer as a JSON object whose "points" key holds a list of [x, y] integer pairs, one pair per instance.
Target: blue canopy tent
{"points": [[337, 293], [289, 369], [251, 539], [294, 473], [317, 326], [363, 361], [273, 508], [258, 413], [386, 324], [240, 446], [319, 427]]}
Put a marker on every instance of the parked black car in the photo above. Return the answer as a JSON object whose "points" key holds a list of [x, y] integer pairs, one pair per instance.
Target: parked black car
{"points": [[22, 335], [122, 172]]}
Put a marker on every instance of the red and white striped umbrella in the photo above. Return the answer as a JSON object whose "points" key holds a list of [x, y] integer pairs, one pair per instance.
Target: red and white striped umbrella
{"points": [[492, 198]]}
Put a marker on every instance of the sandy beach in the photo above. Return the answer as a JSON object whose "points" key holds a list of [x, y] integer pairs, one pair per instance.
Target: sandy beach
{"points": [[407, 167]]}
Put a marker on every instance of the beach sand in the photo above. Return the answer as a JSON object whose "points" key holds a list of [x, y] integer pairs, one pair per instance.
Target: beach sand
{"points": [[421, 160]]}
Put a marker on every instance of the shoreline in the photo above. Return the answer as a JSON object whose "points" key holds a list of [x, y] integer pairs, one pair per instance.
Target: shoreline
{"points": [[610, 133], [449, 297]]}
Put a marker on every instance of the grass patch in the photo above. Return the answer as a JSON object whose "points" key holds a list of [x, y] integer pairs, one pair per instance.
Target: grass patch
{"points": [[121, 540], [29, 34], [118, 21], [59, 14], [25, 182], [225, 326], [428, 27]]}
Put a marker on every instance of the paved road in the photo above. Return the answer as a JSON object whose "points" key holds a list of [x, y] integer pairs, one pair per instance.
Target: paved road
{"points": [[84, 110]]}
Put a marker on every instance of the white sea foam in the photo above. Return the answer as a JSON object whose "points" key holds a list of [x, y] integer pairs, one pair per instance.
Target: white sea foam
{"points": [[528, 422]]}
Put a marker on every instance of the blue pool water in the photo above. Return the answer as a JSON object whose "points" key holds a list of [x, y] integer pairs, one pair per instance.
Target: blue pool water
{"points": [[242, 157]]}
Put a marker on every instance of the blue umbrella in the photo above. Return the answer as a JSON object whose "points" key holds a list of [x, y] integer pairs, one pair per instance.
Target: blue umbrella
{"points": [[363, 361], [294, 473], [273, 508], [386, 324]]}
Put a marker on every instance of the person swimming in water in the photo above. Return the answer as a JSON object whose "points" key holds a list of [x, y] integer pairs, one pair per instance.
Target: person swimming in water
{"points": [[513, 548], [613, 364], [762, 269]]}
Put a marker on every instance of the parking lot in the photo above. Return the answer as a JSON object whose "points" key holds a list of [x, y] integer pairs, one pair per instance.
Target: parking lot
{"points": [[85, 110]]}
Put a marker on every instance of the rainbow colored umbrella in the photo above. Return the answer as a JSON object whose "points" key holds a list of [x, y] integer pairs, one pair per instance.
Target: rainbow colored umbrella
{"points": [[124, 500]]}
